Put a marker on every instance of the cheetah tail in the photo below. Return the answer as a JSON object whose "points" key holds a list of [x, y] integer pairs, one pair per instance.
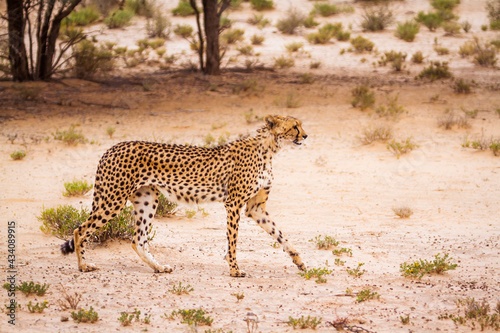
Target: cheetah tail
{"points": [[68, 247]]}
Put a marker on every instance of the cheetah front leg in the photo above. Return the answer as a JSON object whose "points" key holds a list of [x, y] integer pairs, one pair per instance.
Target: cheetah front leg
{"points": [[233, 209], [145, 202], [256, 209]]}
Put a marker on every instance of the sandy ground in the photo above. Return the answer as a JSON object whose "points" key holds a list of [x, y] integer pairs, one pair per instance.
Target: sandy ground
{"points": [[332, 185]]}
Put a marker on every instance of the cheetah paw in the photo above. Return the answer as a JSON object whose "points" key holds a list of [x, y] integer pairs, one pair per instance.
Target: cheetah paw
{"points": [[164, 269], [238, 274], [88, 267]]}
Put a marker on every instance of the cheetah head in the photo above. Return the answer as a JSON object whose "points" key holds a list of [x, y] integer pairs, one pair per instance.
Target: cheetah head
{"points": [[286, 127]]}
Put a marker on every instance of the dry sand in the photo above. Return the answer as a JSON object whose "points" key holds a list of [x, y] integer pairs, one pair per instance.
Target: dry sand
{"points": [[332, 185]]}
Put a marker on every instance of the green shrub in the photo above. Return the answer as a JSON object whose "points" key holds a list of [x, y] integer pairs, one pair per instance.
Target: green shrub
{"points": [[18, 155], [38, 307], [362, 44], [62, 221], [421, 267], [417, 57], [292, 21], [362, 97], [431, 20], [366, 294], [119, 18], [144, 8], [183, 9], [377, 19], [70, 137], [165, 206], [257, 39], [436, 70], [317, 273], [444, 4], [158, 25], [294, 46], [82, 316], [90, 59], [485, 55], [284, 62], [466, 25], [82, 17], [183, 30], [324, 243], [77, 187], [325, 9], [400, 148], [441, 50], [467, 49], [262, 4], [28, 288], [309, 22], [303, 322], [451, 28], [493, 8], [396, 59], [232, 36], [461, 86], [407, 30], [193, 317]]}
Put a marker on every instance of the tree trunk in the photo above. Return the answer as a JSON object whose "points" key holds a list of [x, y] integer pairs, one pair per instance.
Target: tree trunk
{"points": [[212, 23], [17, 49]]}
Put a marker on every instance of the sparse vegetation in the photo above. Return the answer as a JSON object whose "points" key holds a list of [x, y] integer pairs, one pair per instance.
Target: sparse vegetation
{"points": [[407, 30], [318, 273], [119, 19], [405, 320], [417, 57], [450, 120], [294, 46], [436, 71], [232, 36], [165, 206], [76, 187], [356, 272], [291, 21], [376, 19], [396, 59], [183, 9], [325, 9], [392, 109], [28, 288], [400, 148], [38, 307], [179, 289], [451, 28], [284, 62], [461, 86], [69, 301], [262, 4], [403, 212], [82, 17], [90, 59], [324, 243], [183, 30], [363, 97], [475, 314], [420, 267], [18, 155], [379, 133], [431, 20], [257, 39], [441, 50], [362, 44], [192, 317], [493, 8], [467, 49], [63, 220], [82, 316], [303, 322], [366, 294], [341, 251]]}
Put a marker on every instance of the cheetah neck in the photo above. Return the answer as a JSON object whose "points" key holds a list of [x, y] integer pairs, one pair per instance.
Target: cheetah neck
{"points": [[269, 141]]}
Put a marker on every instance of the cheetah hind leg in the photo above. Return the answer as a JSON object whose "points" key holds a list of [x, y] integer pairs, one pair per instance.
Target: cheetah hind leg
{"points": [[145, 202]]}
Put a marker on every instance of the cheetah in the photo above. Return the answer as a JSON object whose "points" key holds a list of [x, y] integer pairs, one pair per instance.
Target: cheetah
{"points": [[237, 174]]}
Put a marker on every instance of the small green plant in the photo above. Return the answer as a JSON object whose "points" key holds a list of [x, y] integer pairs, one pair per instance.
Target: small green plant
{"points": [[485, 54], [396, 59], [192, 317], [405, 320], [417, 57], [70, 137], [183, 9], [110, 131], [232, 36], [239, 296], [419, 268], [451, 28], [82, 17], [90, 59], [183, 30], [303, 322], [257, 39], [159, 25], [284, 62], [435, 71], [441, 50], [392, 109], [493, 8], [310, 22], [475, 314], [484, 27], [407, 30], [400, 148], [431, 20], [362, 44], [450, 120], [119, 18], [315, 64], [495, 147], [294, 46], [461, 86], [28, 288], [38, 307], [291, 21], [324, 243], [165, 206], [325, 9], [262, 4], [403, 212], [341, 251], [82, 316], [356, 272], [190, 213], [363, 97], [246, 50], [179, 289], [339, 262], [307, 78], [18, 155], [126, 319], [317, 273], [76, 187], [376, 19], [378, 133], [366, 294]]}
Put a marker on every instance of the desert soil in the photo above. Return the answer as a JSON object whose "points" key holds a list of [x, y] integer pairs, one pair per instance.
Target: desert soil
{"points": [[332, 185]]}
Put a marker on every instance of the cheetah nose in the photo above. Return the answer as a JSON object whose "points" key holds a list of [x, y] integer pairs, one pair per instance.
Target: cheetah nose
{"points": [[304, 136]]}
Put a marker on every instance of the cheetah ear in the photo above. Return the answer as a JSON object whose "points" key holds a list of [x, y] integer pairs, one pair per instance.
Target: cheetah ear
{"points": [[270, 121]]}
